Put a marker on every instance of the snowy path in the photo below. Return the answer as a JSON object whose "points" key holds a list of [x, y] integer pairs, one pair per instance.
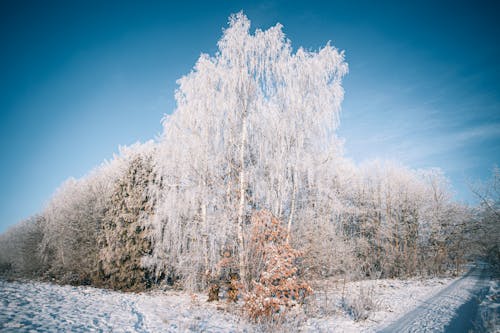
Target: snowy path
{"points": [[451, 310], [44, 307]]}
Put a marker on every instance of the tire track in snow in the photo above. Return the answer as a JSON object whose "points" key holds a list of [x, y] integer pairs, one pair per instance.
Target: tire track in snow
{"points": [[438, 312], [139, 324]]}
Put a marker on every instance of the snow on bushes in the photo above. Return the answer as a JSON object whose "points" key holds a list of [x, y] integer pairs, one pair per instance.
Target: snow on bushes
{"points": [[277, 288]]}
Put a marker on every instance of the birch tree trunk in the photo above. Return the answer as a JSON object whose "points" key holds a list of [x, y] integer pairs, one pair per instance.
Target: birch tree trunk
{"points": [[292, 207], [241, 205], [205, 241]]}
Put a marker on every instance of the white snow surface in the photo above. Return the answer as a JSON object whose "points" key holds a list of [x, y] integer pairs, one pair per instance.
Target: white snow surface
{"points": [[488, 317], [451, 310], [385, 300], [44, 307]]}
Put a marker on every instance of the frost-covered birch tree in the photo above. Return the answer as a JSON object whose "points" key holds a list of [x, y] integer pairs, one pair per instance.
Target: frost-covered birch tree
{"points": [[251, 125]]}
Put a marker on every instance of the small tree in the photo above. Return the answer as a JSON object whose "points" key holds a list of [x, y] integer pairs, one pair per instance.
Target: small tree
{"points": [[486, 231], [278, 288]]}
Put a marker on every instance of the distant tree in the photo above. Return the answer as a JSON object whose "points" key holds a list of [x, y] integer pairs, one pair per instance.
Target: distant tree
{"points": [[19, 245], [486, 229], [71, 222], [69, 233]]}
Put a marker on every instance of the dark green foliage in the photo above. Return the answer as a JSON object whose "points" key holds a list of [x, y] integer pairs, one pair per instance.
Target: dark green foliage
{"points": [[123, 239]]}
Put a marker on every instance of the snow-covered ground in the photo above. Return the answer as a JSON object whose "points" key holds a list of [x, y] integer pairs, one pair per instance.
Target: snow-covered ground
{"points": [[45, 307], [453, 309], [488, 314], [369, 305]]}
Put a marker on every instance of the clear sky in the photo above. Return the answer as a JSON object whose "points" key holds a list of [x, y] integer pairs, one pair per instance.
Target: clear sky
{"points": [[79, 78]]}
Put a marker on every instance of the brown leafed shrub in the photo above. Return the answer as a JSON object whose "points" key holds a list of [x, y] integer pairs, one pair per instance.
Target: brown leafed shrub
{"points": [[226, 279], [278, 288], [213, 291]]}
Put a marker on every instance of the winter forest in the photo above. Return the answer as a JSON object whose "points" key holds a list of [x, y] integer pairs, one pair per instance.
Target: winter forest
{"points": [[248, 185]]}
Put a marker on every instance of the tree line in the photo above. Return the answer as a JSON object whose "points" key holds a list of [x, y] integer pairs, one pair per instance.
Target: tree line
{"points": [[254, 131]]}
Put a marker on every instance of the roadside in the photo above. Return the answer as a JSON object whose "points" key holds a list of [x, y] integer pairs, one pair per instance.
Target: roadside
{"points": [[454, 309]]}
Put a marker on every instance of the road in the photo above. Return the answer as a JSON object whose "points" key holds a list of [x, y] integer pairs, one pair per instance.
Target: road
{"points": [[452, 310]]}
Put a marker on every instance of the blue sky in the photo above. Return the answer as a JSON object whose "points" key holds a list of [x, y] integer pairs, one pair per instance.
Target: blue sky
{"points": [[79, 78]]}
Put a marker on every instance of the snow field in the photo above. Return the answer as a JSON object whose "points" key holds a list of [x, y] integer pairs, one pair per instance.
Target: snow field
{"points": [[45, 307]]}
